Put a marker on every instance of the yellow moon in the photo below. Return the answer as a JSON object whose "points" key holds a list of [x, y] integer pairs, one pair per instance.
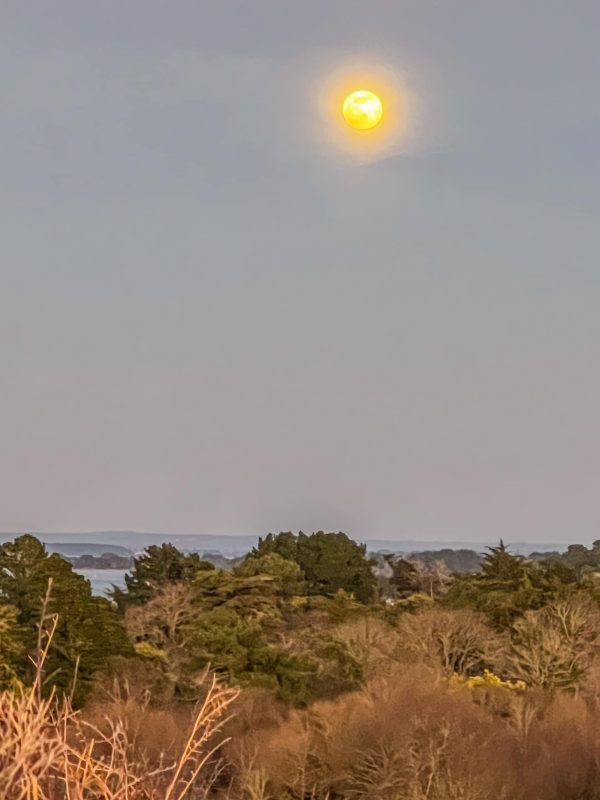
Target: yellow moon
{"points": [[362, 110]]}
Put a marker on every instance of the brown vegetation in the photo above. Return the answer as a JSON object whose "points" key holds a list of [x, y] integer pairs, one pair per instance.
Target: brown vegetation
{"points": [[488, 689], [410, 738], [49, 752]]}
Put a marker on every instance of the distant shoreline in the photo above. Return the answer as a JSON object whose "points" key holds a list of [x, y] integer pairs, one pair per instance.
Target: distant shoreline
{"points": [[236, 545]]}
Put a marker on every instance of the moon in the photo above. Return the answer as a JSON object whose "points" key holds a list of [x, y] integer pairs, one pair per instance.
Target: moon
{"points": [[362, 110]]}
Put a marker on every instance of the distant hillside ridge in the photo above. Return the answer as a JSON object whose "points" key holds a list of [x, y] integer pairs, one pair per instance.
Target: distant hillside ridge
{"points": [[134, 541], [76, 549], [237, 545]]}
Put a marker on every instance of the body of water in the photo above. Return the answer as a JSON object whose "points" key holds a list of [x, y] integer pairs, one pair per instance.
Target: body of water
{"points": [[103, 579]]}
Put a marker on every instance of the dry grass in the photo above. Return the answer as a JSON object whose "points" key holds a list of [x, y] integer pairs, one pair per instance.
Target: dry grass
{"points": [[48, 752], [31, 745]]}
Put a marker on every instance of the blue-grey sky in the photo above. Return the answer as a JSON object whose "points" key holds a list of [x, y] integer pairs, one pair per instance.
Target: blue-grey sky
{"points": [[215, 320]]}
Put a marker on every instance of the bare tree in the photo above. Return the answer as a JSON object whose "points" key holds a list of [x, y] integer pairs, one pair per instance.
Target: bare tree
{"points": [[555, 646], [455, 641]]}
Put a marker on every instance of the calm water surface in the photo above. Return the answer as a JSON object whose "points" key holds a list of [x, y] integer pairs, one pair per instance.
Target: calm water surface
{"points": [[103, 579]]}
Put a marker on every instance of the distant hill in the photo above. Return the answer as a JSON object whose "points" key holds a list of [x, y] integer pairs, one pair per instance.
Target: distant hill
{"points": [[409, 546], [109, 561], [238, 545], [76, 549], [133, 541], [455, 560]]}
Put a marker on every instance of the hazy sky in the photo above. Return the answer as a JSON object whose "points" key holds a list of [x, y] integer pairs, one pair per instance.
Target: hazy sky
{"points": [[214, 320]]}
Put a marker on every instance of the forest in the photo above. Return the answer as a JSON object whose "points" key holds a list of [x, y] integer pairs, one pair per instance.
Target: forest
{"points": [[309, 671]]}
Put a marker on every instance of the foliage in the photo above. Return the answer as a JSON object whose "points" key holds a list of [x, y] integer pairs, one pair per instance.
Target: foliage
{"points": [[328, 561], [88, 630], [404, 576], [253, 596], [235, 646], [236, 626], [581, 559], [11, 647], [459, 687], [408, 577], [508, 585], [488, 679], [288, 572], [155, 568], [454, 560]]}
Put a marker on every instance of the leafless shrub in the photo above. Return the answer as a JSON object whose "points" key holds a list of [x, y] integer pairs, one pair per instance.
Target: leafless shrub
{"points": [[447, 641], [555, 646], [400, 739], [453, 641], [373, 643]]}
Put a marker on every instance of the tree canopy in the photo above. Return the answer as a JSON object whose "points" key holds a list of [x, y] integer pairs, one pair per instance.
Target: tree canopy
{"points": [[328, 562], [41, 588], [158, 566]]}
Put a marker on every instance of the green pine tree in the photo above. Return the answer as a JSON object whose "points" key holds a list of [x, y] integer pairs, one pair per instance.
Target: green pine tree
{"points": [[43, 588], [155, 568]]}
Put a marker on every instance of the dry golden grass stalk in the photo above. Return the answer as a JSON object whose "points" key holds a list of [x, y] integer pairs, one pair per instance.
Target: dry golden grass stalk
{"points": [[48, 752]]}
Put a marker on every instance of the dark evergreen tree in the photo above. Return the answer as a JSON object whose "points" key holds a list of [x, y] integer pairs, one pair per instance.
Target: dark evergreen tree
{"points": [[42, 588], [405, 576], [509, 584], [502, 569], [329, 562], [157, 566]]}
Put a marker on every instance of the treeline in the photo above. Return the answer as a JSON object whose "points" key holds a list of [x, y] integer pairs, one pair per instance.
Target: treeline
{"points": [[104, 561], [358, 678]]}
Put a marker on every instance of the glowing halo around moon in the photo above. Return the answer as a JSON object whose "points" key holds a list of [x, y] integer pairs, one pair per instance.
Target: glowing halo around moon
{"points": [[362, 110], [365, 111]]}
